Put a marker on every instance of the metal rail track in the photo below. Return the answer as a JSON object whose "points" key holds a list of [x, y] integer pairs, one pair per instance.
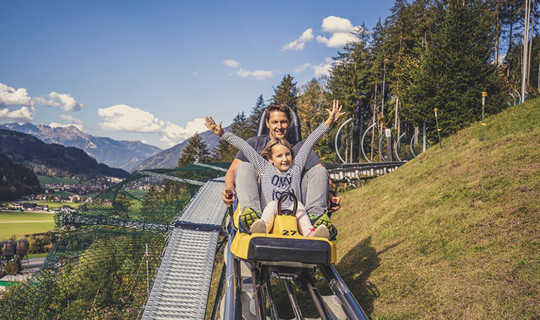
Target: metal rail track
{"points": [[180, 290], [351, 172]]}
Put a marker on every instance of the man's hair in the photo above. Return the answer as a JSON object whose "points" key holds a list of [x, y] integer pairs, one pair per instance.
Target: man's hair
{"points": [[278, 107], [267, 151]]}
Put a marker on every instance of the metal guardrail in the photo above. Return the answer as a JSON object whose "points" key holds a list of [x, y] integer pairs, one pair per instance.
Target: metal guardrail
{"points": [[347, 172]]}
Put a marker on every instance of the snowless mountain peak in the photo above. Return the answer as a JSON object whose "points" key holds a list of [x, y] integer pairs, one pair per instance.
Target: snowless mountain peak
{"points": [[119, 154]]}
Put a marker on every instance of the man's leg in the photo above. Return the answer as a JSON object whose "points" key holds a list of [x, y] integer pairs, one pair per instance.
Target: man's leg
{"points": [[315, 190], [247, 186]]}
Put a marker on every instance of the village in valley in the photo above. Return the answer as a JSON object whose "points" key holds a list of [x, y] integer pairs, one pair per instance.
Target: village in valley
{"points": [[58, 196]]}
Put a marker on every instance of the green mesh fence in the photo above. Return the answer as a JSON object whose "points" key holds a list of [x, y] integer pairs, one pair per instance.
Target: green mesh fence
{"points": [[107, 252]]}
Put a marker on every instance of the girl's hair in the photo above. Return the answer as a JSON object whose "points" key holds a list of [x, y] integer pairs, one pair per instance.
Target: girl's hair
{"points": [[267, 151]]}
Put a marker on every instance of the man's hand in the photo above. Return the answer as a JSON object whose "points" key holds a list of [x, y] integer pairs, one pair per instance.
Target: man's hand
{"points": [[228, 196], [213, 127], [334, 203], [334, 114]]}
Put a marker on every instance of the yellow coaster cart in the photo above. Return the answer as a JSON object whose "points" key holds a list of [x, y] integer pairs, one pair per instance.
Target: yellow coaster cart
{"points": [[253, 259]]}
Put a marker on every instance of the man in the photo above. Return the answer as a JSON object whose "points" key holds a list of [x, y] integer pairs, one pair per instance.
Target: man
{"points": [[242, 175]]}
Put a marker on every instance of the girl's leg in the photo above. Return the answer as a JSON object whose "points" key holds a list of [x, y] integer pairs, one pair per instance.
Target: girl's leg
{"points": [[268, 215], [304, 224]]}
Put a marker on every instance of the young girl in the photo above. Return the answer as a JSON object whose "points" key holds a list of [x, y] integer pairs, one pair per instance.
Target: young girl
{"points": [[280, 174]]}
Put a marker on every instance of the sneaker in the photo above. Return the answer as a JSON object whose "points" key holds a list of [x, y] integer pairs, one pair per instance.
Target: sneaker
{"points": [[247, 218], [322, 220], [258, 226], [320, 232]]}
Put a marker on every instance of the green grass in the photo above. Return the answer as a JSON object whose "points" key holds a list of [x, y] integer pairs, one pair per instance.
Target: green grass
{"points": [[55, 205], [52, 205], [43, 180], [22, 223], [452, 234]]}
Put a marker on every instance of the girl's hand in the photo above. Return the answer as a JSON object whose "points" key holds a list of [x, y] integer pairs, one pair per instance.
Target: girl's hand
{"points": [[334, 114], [213, 127]]}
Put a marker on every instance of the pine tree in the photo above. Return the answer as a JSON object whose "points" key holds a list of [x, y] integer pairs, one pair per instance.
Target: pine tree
{"points": [[121, 205], [511, 18], [512, 14], [225, 151], [256, 111], [351, 82], [456, 69], [196, 150], [314, 98], [286, 92], [240, 126], [350, 79], [311, 102], [380, 69], [406, 36]]}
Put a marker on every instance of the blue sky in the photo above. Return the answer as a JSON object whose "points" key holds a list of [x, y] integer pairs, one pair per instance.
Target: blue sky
{"points": [[151, 70]]}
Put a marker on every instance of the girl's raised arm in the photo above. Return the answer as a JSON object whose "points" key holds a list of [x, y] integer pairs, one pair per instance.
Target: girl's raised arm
{"points": [[253, 156], [334, 114]]}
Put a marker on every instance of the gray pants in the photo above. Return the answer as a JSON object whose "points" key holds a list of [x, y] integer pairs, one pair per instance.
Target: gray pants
{"points": [[314, 188]]}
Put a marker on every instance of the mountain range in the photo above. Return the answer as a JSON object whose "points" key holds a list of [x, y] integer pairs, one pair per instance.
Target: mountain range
{"points": [[169, 158], [53, 159], [126, 155]]}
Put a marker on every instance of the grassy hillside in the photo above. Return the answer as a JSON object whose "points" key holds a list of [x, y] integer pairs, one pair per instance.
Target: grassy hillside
{"points": [[453, 234], [43, 180], [20, 223]]}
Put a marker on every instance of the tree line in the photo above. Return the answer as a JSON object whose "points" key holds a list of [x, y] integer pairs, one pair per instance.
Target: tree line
{"points": [[426, 54]]}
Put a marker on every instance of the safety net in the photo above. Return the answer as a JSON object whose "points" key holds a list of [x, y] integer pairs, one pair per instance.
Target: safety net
{"points": [[107, 253]]}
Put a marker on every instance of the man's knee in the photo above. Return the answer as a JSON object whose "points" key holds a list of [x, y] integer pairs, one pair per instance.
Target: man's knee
{"points": [[317, 173], [315, 190], [245, 170], [247, 186]]}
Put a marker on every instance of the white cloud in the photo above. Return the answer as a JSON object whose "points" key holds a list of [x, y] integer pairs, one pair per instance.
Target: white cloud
{"points": [[501, 59], [71, 121], [333, 24], [257, 74], [341, 30], [299, 43], [20, 97], [173, 134], [63, 101], [14, 97], [125, 118], [323, 69], [337, 40], [22, 115], [318, 70], [231, 63], [65, 125], [302, 68]]}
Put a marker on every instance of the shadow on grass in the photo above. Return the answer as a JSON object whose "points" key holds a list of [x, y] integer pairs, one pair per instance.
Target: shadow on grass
{"points": [[356, 267]]}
